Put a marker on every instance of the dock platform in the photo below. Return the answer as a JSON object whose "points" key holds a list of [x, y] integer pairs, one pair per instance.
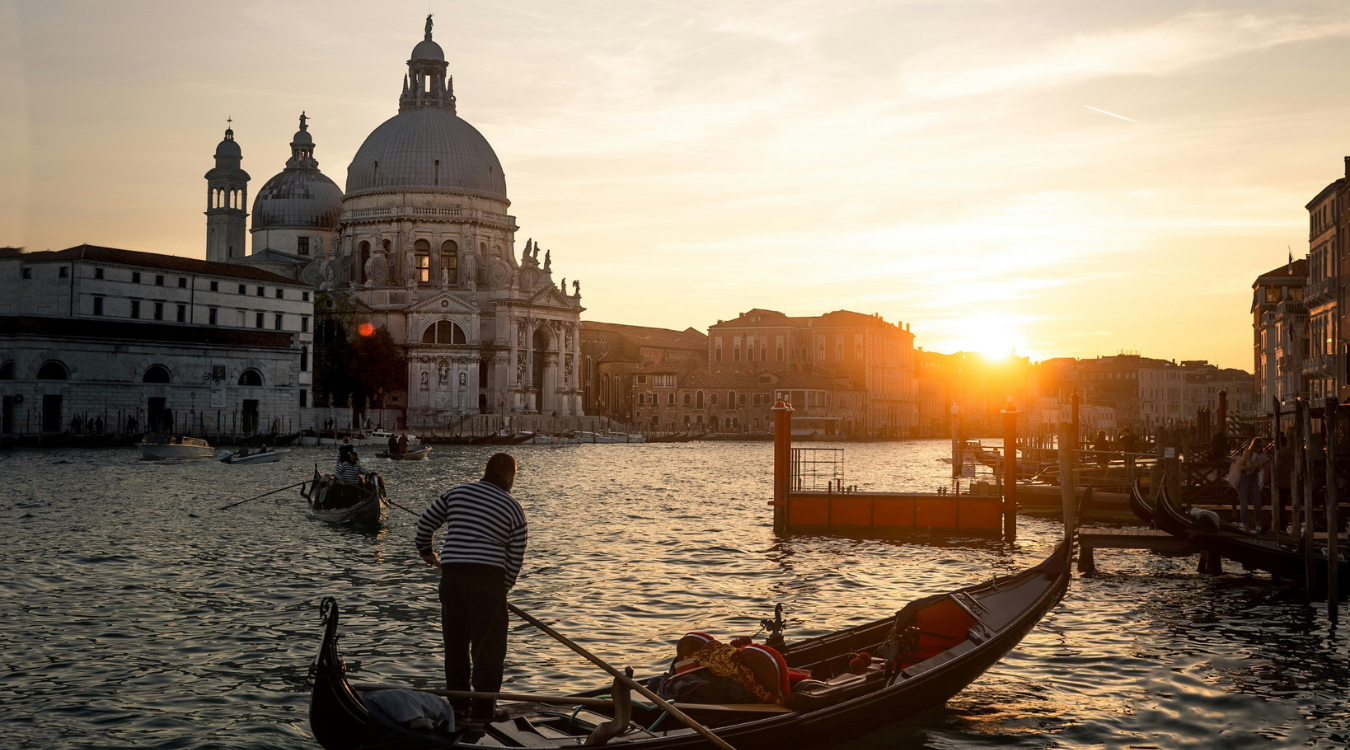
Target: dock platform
{"points": [[1091, 539]]}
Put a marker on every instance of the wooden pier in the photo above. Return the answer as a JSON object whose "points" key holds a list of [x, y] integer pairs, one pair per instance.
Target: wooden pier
{"points": [[1127, 538]]}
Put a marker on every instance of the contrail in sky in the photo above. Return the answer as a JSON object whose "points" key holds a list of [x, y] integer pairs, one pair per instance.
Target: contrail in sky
{"points": [[1113, 114]]}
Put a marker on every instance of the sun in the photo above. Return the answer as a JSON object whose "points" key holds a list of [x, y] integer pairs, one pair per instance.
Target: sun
{"points": [[994, 337]]}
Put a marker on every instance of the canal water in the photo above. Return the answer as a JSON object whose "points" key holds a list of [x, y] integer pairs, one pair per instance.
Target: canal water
{"points": [[134, 614]]}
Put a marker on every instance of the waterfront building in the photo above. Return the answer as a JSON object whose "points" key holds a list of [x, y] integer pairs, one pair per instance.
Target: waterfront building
{"points": [[867, 352], [135, 341], [1204, 382], [620, 364], [1322, 370], [1279, 334]]}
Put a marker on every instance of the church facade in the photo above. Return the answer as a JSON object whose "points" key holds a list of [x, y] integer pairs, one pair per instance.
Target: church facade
{"points": [[421, 243]]}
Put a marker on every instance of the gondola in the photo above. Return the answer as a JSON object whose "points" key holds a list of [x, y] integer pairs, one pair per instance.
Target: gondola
{"points": [[1140, 503], [416, 454], [354, 504], [1168, 517], [1281, 557], [938, 646], [264, 456]]}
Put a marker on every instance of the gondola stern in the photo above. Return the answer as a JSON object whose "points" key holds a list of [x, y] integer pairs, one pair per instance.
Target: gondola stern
{"points": [[337, 715]]}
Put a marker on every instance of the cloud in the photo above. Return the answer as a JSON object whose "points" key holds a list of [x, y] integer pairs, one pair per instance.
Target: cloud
{"points": [[1164, 48]]}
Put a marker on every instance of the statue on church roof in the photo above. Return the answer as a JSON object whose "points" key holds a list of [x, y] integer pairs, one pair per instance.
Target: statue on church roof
{"points": [[428, 36], [576, 288], [303, 118], [548, 261]]}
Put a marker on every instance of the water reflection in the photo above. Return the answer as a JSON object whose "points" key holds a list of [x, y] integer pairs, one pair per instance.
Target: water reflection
{"points": [[137, 614]]}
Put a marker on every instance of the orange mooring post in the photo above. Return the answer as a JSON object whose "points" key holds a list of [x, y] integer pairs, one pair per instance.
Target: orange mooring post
{"points": [[1010, 415], [782, 463]]}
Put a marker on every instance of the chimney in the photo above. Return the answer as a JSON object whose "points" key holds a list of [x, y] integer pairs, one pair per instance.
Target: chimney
{"points": [[1347, 167]]}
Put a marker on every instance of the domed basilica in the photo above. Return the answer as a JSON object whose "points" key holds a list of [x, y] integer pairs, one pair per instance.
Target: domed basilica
{"points": [[420, 242]]}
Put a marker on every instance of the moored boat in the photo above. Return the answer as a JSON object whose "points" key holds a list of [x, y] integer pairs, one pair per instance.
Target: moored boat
{"points": [[356, 504], [1140, 503], [162, 446], [263, 456], [932, 649]]}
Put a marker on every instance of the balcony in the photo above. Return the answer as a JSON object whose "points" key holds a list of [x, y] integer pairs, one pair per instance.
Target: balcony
{"points": [[1320, 291], [1321, 365]]}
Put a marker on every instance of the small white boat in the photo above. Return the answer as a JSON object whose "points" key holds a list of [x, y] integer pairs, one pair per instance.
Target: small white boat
{"points": [[262, 456], [159, 446]]}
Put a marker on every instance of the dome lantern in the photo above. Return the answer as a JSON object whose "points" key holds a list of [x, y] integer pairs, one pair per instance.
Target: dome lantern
{"points": [[427, 85]]}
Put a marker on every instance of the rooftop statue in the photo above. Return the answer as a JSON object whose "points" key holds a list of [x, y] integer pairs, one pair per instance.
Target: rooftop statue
{"points": [[428, 36]]}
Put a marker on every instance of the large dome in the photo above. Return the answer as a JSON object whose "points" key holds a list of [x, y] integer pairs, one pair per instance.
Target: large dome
{"points": [[427, 148], [298, 198]]}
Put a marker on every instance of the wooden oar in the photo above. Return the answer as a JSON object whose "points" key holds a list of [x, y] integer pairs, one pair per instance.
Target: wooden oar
{"points": [[575, 700], [265, 494], [630, 682]]}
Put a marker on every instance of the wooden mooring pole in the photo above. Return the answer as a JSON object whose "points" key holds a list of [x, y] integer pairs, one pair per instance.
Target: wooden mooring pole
{"points": [[1306, 440], [782, 464], [1010, 415], [1329, 420], [1067, 489]]}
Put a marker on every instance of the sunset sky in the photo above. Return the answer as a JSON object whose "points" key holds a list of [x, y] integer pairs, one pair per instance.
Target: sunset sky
{"points": [[1070, 179]]}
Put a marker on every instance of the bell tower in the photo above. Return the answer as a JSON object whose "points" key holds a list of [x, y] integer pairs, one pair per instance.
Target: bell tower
{"points": [[226, 196]]}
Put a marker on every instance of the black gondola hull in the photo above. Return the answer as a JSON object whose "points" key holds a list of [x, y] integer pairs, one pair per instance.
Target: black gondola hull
{"points": [[341, 721]]}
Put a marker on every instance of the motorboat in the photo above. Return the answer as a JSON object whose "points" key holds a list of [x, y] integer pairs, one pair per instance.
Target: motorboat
{"points": [[264, 455]]}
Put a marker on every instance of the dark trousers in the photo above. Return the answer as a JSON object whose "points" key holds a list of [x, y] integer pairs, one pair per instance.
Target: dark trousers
{"points": [[473, 624]]}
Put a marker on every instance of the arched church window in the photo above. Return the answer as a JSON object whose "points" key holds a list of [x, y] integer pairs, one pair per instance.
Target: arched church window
{"points": [[156, 374], [444, 332], [450, 260], [7, 371], [482, 249], [422, 250], [53, 370], [250, 377]]}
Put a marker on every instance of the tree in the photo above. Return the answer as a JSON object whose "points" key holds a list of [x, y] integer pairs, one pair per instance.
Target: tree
{"points": [[379, 367]]}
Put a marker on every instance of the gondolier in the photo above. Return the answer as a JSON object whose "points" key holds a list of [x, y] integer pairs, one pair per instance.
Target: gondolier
{"points": [[349, 469], [479, 561]]}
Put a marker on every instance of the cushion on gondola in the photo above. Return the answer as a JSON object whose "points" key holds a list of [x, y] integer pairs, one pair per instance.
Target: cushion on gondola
{"points": [[761, 669], [411, 709], [940, 627]]}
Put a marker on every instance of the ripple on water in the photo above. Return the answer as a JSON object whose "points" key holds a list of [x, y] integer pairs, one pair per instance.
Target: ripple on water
{"points": [[137, 614]]}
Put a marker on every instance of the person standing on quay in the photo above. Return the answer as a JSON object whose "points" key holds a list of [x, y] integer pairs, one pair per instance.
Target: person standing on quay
{"points": [[484, 548]]}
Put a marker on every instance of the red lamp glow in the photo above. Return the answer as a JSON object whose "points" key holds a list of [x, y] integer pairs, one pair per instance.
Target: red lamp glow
{"points": [[365, 329]]}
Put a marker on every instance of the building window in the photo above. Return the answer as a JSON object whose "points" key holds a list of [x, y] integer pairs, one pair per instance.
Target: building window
{"points": [[281, 294], [763, 352], [182, 282], [182, 313], [750, 351], [717, 353], [159, 311], [258, 320], [780, 352], [98, 273], [423, 268], [243, 289], [159, 280], [736, 353], [26, 273], [135, 308], [450, 260], [135, 277], [98, 305], [63, 272], [302, 246], [712, 399], [670, 399], [215, 286], [278, 321], [211, 316], [740, 399], [304, 359], [261, 292], [688, 399], [304, 324], [444, 332], [304, 296]]}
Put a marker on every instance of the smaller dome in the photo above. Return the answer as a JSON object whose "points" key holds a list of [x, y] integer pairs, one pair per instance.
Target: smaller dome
{"points": [[229, 147], [297, 198], [302, 138], [428, 50]]}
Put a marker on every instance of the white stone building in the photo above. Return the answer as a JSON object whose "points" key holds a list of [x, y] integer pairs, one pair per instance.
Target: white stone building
{"points": [[133, 340], [426, 248]]}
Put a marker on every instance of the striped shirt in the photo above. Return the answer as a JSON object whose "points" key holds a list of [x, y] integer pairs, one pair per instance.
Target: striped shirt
{"points": [[349, 473], [484, 526]]}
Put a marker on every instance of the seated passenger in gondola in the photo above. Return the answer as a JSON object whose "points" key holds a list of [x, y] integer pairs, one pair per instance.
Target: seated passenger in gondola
{"points": [[393, 445]]}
